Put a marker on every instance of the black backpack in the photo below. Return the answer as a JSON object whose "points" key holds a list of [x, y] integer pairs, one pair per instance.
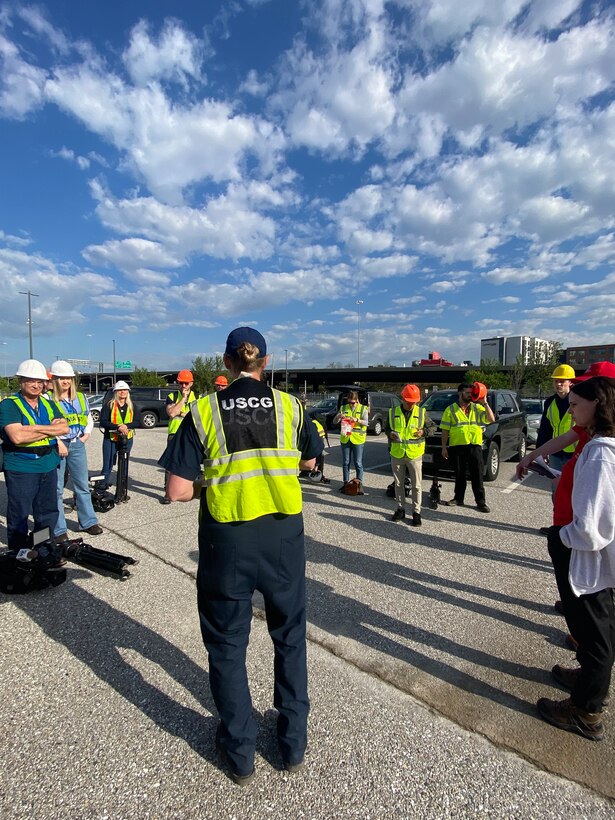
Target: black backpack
{"points": [[391, 489]]}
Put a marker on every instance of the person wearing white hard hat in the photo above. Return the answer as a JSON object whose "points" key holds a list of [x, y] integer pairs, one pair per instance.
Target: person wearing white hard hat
{"points": [[117, 418], [29, 426], [71, 447]]}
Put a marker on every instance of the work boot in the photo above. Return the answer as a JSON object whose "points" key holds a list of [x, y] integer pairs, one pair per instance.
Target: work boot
{"points": [[483, 508], [454, 503], [399, 514], [417, 520], [565, 715], [567, 678]]}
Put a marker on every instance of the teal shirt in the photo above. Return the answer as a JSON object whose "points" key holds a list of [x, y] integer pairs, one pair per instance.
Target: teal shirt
{"points": [[15, 458]]}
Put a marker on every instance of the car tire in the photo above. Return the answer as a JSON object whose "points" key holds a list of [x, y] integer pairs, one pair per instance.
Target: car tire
{"points": [[377, 428], [148, 419], [522, 449], [95, 416], [492, 465]]}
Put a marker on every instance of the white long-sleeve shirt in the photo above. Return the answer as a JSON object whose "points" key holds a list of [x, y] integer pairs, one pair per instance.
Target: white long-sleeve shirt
{"points": [[591, 535]]}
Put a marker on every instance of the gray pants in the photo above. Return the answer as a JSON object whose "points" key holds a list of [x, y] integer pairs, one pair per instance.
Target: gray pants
{"points": [[414, 467]]}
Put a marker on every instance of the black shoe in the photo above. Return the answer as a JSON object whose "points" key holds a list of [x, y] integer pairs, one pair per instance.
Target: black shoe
{"points": [[95, 529], [398, 515], [324, 480], [294, 767], [544, 530], [453, 503], [483, 508], [567, 678], [165, 500], [565, 715], [416, 520], [239, 779]]}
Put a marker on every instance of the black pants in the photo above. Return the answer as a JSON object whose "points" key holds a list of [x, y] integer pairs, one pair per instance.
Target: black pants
{"points": [[235, 559], [470, 457], [591, 621]]}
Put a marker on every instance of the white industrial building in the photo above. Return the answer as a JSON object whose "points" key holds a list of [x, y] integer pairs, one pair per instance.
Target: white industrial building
{"points": [[507, 349]]}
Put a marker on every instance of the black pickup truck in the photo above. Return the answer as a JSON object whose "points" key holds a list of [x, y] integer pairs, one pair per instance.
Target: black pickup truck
{"points": [[503, 440]]}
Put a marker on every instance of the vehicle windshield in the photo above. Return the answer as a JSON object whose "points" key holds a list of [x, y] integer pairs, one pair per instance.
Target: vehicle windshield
{"points": [[323, 404], [532, 406], [438, 402]]}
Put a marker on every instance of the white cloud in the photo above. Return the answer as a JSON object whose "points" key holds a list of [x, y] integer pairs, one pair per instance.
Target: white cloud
{"points": [[21, 84], [174, 56]]}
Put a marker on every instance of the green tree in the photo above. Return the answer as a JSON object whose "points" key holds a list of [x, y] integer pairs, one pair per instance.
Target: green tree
{"points": [[205, 370], [488, 373], [142, 377], [536, 372]]}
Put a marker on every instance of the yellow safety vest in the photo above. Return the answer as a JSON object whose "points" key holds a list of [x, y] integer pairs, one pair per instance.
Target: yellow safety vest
{"points": [[409, 445], [359, 431], [42, 442], [116, 418], [76, 419], [560, 425], [177, 420], [320, 428], [464, 429], [248, 484]]}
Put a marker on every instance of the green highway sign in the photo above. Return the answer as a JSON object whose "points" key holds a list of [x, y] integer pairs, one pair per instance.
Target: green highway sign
{"points": [[123, 365]]}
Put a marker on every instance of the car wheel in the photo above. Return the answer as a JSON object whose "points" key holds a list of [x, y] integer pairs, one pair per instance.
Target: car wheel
{"points": [[522, 448], [493, 462], [95, 415], [377, 427], [148, 419]]}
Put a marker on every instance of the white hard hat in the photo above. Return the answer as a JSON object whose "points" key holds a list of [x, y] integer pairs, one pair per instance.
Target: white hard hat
{"points": [[121, 386], [62, 368], [31, 369]]}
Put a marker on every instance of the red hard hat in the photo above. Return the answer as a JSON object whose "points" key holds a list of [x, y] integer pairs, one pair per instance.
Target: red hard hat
{"points": [[411, 393], [185, 376], [479, 391], [221, 380]]}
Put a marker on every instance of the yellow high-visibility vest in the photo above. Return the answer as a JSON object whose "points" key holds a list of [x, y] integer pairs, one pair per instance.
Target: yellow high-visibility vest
{"points": [[359, 430], [464, 429], [27, 419], [408, 445], [244, 485], [177, 420], [560, 425]]}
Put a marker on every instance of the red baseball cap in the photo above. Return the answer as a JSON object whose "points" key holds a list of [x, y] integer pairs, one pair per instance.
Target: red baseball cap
{"points": [[598, 369]]}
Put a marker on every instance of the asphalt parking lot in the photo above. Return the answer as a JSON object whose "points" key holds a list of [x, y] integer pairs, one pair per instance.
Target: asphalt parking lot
{"points": [[428, 650]]}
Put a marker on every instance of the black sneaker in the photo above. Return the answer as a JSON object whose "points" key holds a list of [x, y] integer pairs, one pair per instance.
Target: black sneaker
{"points": [[565, 715], [324, 480], [239, 779], [453, 503], [417, 520], [398, 515], [483, 508], [567, 678]]}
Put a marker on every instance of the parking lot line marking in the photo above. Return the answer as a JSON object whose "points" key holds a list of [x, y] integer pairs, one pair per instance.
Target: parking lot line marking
{"points": [[377, 466], [514, 485]]}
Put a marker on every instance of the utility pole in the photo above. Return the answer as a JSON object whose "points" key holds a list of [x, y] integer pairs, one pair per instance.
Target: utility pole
{"points": [[114, 373], [29, 294], [358, 303], [286, 370]]}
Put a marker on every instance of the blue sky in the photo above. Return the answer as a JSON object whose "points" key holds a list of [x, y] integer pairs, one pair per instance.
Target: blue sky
{"points": [[166, 177]]}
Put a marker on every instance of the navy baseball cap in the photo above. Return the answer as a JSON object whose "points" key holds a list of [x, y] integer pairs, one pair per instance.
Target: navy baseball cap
{"points": [[245, 334]]}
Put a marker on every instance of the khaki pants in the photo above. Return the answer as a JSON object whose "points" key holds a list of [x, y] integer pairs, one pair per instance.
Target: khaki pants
{"points": [[414, 467]]}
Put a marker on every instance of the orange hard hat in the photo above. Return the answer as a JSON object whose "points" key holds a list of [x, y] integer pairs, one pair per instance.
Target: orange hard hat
{"points": [[479, 391], [221, 380], [185, 376], [411, 393]]}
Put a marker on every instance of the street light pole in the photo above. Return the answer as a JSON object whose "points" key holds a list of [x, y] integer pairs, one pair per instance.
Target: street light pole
{"points": [[4, 358], [29, 294], [114, 373], [358, 303], [286, 369]]}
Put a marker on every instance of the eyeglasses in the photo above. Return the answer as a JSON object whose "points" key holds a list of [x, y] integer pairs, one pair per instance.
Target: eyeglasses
{"points": [[184, 384], [352, 402]]}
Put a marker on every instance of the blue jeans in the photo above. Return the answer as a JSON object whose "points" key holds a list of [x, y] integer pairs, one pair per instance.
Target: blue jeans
{"points": [[27, 493], [109, 456], [357, 453], [235, 559], [78, 467]]}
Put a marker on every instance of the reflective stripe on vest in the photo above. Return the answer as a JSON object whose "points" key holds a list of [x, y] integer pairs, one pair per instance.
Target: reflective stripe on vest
{"points": [[42, 442], [463, 429], [75, 419], [560, 425], [248, 484], [177, 420], [319, 427], [359, 433], [116, 418], [409, 445]]}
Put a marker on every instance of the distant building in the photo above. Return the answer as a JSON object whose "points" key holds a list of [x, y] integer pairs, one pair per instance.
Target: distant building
{"points": [[581, 357], [507, 349]]}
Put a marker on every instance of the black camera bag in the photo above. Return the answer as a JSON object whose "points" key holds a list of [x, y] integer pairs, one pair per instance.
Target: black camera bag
{"points": [[33, 569]]}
